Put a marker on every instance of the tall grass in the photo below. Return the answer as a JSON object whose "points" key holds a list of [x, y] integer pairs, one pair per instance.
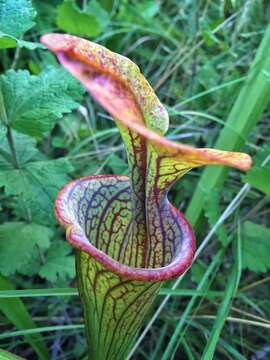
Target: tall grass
{"points": [[245, 114]]}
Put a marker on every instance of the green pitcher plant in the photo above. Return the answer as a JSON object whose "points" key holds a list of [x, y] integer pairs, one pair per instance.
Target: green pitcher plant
{"points": [[129, 239]]}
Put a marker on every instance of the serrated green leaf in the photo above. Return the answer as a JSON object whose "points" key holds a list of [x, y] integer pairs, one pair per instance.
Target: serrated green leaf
{"points": [[255, 247], [259, 177], [36, 184], [21, 142], [73, 20], [34, 103], [16, 17], [18, 241], [33, 265], [35, 181], [59, 264]]}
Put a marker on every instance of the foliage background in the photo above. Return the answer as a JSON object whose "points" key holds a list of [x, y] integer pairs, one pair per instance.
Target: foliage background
{"points": [[196, 55]]}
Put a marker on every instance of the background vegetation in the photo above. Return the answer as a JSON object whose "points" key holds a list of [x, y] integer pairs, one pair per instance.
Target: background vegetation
{"points": [[197, 55]]}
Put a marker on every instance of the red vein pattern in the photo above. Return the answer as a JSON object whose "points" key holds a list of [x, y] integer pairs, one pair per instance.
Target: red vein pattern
{"points": [[97, 212], [129, 238]]}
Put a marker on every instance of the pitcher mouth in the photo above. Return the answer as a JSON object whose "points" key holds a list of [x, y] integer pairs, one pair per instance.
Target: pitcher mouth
{"points": [[77, 237]]}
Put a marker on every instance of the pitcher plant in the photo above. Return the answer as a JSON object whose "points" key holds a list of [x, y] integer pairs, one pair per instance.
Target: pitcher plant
{"points": [[128, 238]]}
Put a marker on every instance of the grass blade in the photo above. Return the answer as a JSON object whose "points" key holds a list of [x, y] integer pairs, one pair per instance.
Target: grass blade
{"points": [[220, 320], [5, 355], [202, 287], [224, 308], [189, 292], [36, 331], [253, 98], [16, 312], [5, 294]]}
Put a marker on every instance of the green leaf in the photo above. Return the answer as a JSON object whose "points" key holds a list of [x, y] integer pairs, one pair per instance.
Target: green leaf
{"points": [[73, 20], [36, 184], [94, 8], [34, 103], [16, 312], [8, 41], [261, 155], [5, 355], [259, 177], [46, 14], [148, 9], [33, 265], [107, 5], [117, 164], [16, 17], [22, 142], [255, 247], [59, 264], [18, 242]]}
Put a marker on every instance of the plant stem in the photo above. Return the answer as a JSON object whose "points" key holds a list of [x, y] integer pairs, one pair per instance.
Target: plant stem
{"points": [[84, 4], [10, 140], [3, 114], [16, 56], [11, 144]]}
